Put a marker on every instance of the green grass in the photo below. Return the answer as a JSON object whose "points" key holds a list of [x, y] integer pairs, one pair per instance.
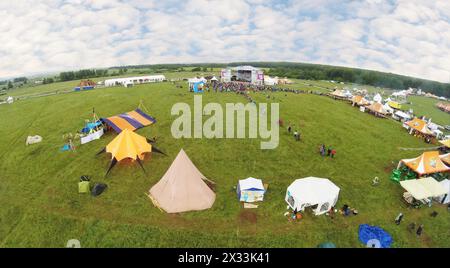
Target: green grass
{"points": [[42, 208], [427, 106]]}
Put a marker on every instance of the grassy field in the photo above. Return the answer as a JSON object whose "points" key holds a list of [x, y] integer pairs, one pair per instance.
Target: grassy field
{"points": [[427, 106], [42, 208]]}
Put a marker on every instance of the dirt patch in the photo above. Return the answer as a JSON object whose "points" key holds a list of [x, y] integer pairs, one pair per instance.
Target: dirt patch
{"points": [[388, 169], [247, 216]]}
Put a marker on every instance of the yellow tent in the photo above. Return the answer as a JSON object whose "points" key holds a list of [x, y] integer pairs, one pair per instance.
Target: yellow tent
{"points": [[446, 143], [128, 145], [427, 163], [395, 105]]}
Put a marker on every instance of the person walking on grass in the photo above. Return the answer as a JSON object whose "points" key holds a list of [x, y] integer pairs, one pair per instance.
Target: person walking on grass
{"points": [[289, 129], [419, 230], [329, 151], [399, 218], [323, 149], [333, 152]]}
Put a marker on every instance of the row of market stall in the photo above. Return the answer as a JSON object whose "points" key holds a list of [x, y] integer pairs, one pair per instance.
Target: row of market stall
{"points": [[416, 126]]}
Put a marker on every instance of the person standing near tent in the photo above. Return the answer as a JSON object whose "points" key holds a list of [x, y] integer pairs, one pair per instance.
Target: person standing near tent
{"points": [[399, 218], [323, 150], [419, 230]]}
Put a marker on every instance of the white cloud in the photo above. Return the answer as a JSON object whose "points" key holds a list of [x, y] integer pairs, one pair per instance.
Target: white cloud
{"points": [[406, 37]]}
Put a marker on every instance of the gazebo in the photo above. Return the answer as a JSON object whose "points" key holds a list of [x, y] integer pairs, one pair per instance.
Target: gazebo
{"points": [[322, 194]]}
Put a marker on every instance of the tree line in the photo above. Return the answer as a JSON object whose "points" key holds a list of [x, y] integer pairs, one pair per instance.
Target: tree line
{"points": [[354, 75], [82, 74]]}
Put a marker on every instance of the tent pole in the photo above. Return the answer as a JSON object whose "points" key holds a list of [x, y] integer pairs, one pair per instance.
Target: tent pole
{"points": [[102, 151], [140, 163], [158, 150], [113, 163]]}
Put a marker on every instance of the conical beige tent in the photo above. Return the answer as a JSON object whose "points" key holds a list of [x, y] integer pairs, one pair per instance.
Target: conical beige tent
{"points": [[182, 188]]}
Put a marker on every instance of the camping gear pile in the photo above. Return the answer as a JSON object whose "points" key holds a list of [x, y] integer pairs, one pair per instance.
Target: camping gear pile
{"points": [[69, 145], [84, 186]]}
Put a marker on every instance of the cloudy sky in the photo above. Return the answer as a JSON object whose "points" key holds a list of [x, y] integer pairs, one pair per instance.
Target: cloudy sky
{"points": [[409, 37]]}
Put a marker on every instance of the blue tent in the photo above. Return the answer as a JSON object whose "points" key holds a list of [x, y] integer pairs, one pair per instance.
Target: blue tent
{"points": [[374, 236], [196, 87]]}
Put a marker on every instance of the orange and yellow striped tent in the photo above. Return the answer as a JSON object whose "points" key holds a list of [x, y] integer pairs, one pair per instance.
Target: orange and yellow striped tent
{"points": [[131, 120], [360, 100], [427, 163], [419, 125]]}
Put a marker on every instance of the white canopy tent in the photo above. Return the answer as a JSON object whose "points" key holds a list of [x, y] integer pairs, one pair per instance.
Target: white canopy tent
{"points": [[312, 191], [250, 190], [423, 189], [445, 198], [377, 98], [402, 115]]}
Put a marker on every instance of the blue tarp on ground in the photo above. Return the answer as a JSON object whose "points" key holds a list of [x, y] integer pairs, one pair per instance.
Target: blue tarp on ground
{"points": [[374, 234]]}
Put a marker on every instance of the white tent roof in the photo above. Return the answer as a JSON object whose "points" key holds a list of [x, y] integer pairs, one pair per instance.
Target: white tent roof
{"points": [[423, 188], [251, 183], [214, 79], [313, 190], [402, 114], [245, 68], [446, 185], [377, 98], [194, 80]]}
